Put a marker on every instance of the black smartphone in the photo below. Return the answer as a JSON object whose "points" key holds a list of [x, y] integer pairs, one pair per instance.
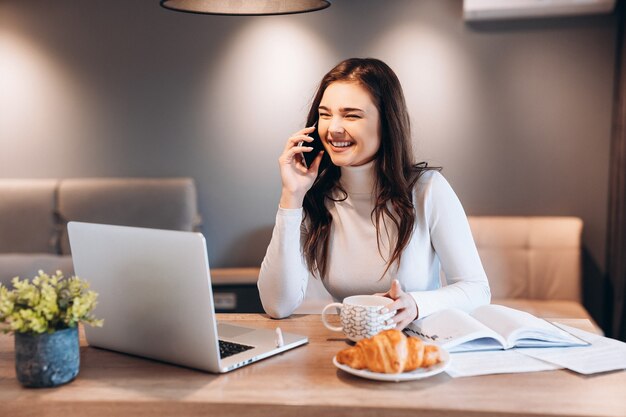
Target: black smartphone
{"points": [[308, 157]]}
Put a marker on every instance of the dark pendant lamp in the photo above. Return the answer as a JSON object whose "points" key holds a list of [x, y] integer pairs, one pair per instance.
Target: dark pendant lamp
{"points": [[245, 7]]}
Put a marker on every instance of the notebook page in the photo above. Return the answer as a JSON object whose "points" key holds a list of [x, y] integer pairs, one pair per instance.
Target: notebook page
{"points": [[515, 324], [451, 327]]}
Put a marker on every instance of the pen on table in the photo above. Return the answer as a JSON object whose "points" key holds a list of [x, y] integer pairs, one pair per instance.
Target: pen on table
{"points": [[279, 337]]}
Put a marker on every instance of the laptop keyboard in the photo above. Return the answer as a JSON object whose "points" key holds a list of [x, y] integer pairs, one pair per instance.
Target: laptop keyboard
{"points": [[228, 348]]}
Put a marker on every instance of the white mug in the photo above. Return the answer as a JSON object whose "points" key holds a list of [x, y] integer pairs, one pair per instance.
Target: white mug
{"points": [[360, 316]]}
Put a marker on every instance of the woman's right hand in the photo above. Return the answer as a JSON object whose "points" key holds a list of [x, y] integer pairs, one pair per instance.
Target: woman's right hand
{"points": [[296, 178]]}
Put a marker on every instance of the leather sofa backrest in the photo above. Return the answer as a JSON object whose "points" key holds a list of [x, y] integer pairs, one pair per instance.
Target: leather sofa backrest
{"points": [[26, 215], [164, 203], [530, 257], [34, 215], [525, 258]]}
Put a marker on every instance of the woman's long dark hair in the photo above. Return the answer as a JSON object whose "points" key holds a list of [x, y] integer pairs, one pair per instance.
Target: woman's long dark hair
{"points": [[396, 170]]}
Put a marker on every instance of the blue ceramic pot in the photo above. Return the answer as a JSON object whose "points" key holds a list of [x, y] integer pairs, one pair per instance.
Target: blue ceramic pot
{"points": [[48, 359]]}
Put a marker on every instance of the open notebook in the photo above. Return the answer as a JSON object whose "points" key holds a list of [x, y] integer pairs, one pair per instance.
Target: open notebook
{"points": [[490, 327]]}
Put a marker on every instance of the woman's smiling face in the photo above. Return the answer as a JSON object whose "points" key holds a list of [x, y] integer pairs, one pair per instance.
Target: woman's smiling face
{"points": [[349, 124]]}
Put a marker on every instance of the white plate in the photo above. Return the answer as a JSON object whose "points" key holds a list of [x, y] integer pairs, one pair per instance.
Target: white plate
{"points": [[405, 376]]}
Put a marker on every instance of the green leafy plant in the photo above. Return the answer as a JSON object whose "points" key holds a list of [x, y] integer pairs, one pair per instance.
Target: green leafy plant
{"points": [[48, 304]]}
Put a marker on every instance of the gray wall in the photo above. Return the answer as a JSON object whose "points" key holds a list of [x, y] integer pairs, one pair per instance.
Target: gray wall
{"points": [[518, 114]]}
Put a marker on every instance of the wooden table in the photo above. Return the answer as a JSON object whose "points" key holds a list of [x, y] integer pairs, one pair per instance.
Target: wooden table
{"points": [[301, 382]]}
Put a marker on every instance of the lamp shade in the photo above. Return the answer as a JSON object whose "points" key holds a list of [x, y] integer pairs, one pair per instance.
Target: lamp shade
{"points": [[245, 7]]}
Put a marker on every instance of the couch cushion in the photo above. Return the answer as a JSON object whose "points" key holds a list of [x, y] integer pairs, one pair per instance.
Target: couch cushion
{"points": [[530, 257], [27, 265], [26, 216], [143, 202], [235, 276], [507, 269]]}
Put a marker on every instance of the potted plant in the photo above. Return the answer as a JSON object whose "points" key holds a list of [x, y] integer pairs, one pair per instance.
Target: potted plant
{"points": [[44, 317]]}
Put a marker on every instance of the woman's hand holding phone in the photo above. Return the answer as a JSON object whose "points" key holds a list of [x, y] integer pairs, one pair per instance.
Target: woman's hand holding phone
{"points": [[295, 176]]}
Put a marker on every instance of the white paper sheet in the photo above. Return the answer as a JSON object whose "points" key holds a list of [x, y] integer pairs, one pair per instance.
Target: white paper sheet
{"points": [[495, 362], [603, 355]]}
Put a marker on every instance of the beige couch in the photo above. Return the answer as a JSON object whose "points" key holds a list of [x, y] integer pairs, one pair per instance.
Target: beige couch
{"points": [[533, 264], [34, 215]]}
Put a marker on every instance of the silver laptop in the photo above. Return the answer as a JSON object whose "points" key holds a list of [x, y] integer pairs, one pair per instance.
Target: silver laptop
{"points": [[155, 298]]}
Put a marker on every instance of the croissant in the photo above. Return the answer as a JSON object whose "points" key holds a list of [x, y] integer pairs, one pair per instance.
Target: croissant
{"points": [[389, 352]]}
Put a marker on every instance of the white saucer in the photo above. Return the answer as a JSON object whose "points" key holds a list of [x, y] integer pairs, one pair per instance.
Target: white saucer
{"points": [[405, 376]]}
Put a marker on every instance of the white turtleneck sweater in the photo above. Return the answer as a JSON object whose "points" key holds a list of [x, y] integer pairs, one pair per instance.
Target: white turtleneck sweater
{"points": [[441, 240]]}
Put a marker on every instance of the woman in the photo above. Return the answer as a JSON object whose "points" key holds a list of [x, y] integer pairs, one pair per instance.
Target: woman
{"points": [[364, 217]]}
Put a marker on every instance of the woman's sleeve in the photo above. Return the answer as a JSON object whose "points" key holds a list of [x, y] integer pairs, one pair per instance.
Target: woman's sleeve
{"points": [[467, 286], [283, 277]]}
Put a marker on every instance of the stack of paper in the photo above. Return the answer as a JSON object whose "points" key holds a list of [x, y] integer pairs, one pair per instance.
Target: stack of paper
{"points": [[602, 355], [494, 362]]}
